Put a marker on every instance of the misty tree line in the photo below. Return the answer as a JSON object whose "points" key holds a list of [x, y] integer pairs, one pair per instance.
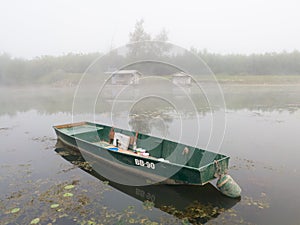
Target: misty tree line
{"points": [[44, 69], [51, 69], [48, 69], [255, 64]]}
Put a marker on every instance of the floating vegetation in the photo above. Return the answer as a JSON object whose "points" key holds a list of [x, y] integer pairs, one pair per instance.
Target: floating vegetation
{"points": [[105, 182], [259, 203], [49, 141], [248, 164], [80, 202], [196, 213], [84, 206], [15, 210], [148, 205], [84, 165], [35, 221], [68, 194], [15, 195], [53, 206], [243, 164], [69, 187], [90, 222], [43, 139], [63, 153], [4, 128]]}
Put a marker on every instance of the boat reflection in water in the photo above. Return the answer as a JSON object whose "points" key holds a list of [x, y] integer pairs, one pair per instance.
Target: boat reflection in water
{"points": [[198, 204]]}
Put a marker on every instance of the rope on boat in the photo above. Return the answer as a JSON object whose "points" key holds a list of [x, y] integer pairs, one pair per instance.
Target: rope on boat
{"points": [[218, 173]]}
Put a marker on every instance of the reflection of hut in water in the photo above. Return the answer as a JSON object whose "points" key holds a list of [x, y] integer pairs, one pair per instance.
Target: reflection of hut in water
{"points": [[182, 83], [181, 79], [125, 77]]}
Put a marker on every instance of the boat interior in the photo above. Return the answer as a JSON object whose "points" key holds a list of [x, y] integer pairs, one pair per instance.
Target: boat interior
{"points": [[142, 144]]}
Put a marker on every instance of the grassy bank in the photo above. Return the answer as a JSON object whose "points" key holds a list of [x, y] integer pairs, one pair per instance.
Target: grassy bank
{"points": [[259, 79]]}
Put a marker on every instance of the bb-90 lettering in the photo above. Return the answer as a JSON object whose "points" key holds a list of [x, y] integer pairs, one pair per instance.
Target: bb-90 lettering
{"points": [[140, 162]]}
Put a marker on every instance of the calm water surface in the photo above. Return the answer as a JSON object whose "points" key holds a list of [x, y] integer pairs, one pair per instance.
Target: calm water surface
{"points": [[262, 139]]}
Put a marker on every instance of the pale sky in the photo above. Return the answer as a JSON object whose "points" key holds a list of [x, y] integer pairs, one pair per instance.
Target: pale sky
{"points": [[54, 27]]}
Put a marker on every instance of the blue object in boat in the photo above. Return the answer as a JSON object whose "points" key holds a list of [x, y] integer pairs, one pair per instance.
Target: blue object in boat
{"points": [[113, 149]]}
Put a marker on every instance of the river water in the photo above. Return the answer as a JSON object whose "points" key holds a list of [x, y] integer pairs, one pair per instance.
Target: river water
{"points": [[42, 182]]}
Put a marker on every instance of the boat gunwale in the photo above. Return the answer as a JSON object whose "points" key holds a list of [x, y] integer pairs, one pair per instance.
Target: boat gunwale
{"points": [[211, 163], [69, 125]]}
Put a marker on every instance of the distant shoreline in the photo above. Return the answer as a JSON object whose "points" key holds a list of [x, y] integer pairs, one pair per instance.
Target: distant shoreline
{"points": [[224, 80]]}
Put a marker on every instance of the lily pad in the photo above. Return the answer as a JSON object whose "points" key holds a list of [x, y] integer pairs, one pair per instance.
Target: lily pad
{"points": [[90, 222], [53, 206], [69, 186], [15, 210], [35, 221], [68, 194], [131, 220]]}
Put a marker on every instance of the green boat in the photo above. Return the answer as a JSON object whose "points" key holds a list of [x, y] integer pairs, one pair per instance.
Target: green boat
{"points": [[157, 159]]}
